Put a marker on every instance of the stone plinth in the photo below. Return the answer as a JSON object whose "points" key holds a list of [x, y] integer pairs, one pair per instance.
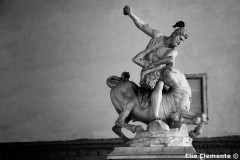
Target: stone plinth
{"points": [[158, 152], [159, 134]]}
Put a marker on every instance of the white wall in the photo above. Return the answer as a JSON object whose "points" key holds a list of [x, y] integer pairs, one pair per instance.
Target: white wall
{"points": [[55, 56]]}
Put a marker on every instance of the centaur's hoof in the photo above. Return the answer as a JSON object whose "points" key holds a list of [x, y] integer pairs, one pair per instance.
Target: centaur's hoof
{"points": [[204, 117], [176, 117], [137, 128], [157, 126], [125, 141]]}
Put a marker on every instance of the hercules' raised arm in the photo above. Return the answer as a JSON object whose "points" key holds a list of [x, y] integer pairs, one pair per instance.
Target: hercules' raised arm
{"points": [[140, 23]]}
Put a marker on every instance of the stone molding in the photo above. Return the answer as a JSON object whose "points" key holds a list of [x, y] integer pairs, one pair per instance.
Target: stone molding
{"points": [[101, 147]]}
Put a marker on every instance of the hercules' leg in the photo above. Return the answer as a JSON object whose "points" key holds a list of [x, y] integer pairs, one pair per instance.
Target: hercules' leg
{"points": [[156, 98]]}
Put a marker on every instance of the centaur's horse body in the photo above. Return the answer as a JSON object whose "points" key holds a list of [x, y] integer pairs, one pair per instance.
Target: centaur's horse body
{"points": [[133, 103], [124, 95]]}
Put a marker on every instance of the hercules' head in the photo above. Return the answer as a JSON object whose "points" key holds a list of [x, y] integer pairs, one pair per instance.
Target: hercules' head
{"points": [[180, 34]]}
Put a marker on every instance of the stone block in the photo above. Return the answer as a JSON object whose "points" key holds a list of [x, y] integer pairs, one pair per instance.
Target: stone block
{"points": [[150, 152]]}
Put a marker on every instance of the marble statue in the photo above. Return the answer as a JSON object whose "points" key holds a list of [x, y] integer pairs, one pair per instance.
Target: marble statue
{"points": [[162, 100]]}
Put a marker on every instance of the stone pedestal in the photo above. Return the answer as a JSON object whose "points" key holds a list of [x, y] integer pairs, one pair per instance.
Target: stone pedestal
{"points": [[159, 134], [158, 152]]}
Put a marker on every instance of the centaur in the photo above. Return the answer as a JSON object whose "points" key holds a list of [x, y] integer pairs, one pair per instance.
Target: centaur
{"points": [[133, 102]]}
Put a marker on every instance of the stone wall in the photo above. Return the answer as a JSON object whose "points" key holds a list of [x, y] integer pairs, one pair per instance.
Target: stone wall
{"points": [[55, 57]]}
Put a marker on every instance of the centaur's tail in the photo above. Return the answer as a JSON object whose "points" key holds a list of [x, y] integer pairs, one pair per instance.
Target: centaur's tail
{"points": [[114, 80]]}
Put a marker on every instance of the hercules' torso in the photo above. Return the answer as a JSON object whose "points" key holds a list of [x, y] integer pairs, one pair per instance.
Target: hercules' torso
{"points": [[158, 53]]}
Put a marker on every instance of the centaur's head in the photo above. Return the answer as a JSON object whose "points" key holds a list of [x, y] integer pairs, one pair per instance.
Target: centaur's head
{"points": [[179, 34]]}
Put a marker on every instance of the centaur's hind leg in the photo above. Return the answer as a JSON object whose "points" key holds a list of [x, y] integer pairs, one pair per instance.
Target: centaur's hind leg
{"points": [[187, 117], [198, 130], [127, 100], [118, 131], [123, 115], [183, 116]]}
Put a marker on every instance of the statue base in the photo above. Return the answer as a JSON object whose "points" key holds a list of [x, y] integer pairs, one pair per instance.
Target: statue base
{"points": [[159, 134], [158, 152]]}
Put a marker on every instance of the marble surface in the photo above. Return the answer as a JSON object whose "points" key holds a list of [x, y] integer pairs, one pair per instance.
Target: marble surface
{"points": [[159, 134], [150, 152]]}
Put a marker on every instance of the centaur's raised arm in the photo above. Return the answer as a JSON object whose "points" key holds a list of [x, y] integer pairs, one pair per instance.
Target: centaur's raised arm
{"points": [[141, 24]]}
